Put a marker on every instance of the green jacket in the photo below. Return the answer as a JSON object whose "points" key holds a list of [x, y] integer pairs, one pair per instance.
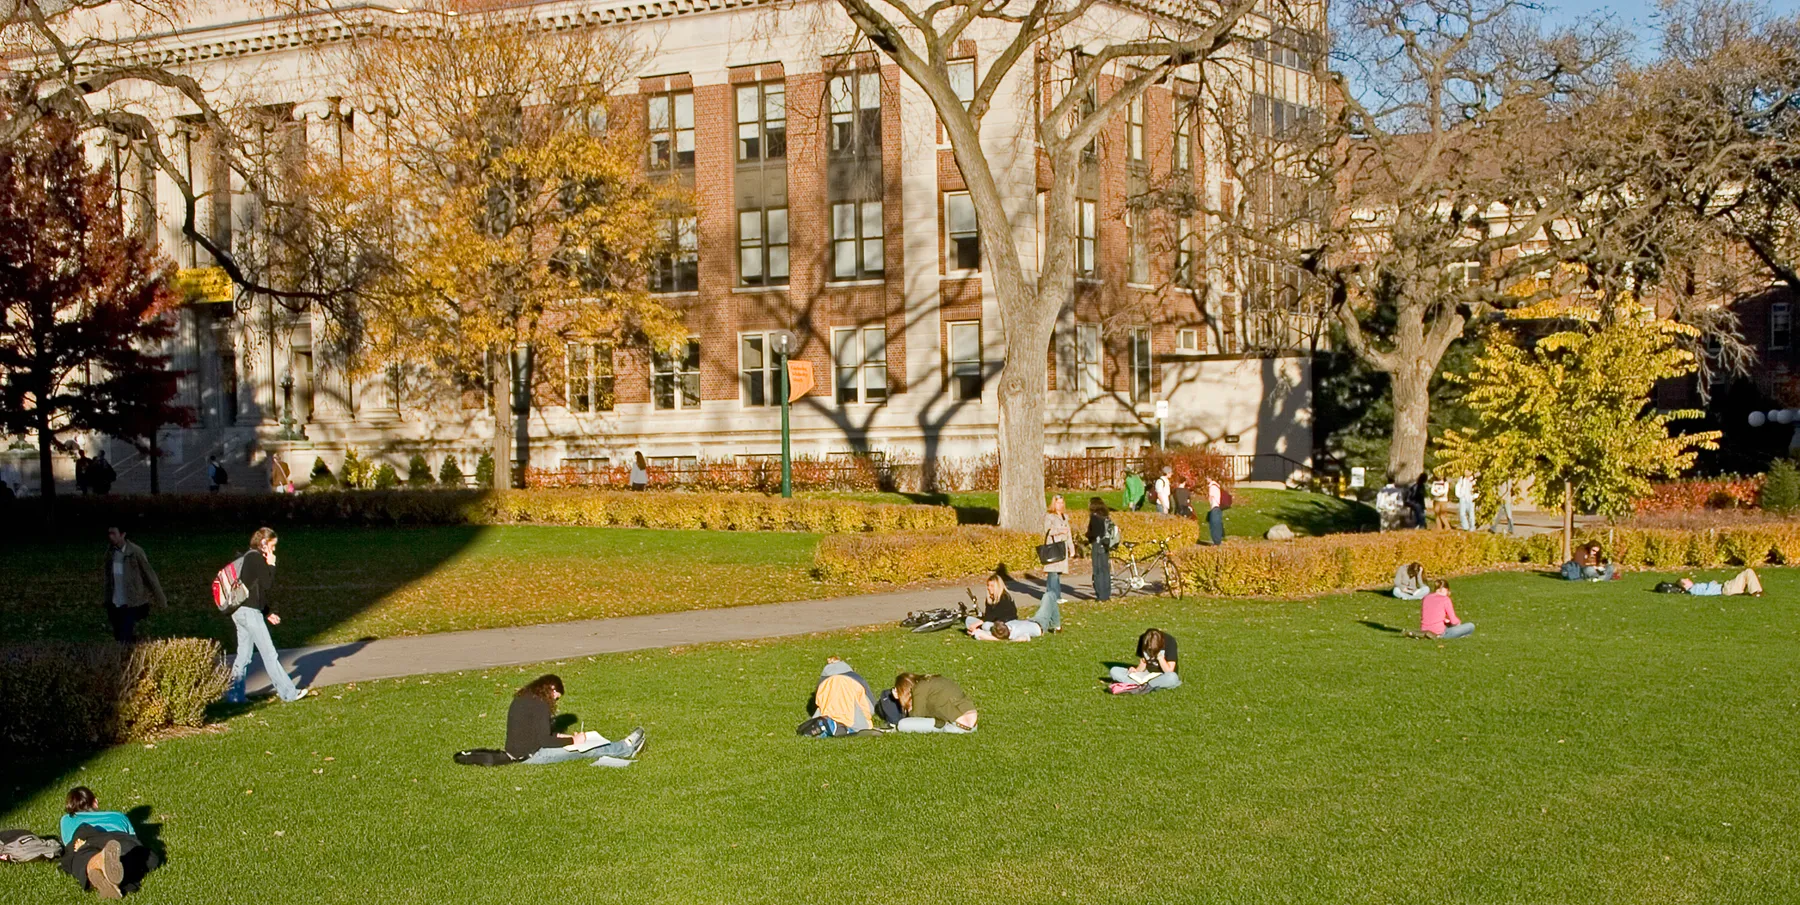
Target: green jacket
{"points": [[141, 586], [940, 699], [1134, 491]]}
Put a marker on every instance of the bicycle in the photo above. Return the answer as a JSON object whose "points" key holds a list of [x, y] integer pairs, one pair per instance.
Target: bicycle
{"points": [[1133, 575]]}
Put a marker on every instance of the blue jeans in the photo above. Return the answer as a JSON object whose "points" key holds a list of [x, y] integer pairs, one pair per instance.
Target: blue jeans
{"points": [[1465, 514], [1417, 593], [1504, 513], [564, 755], [927, 724], [1157, 682], [1102, 571], [1215, 525], [253, 638], [1459, 630], [1049, 611], [1600, 573]]}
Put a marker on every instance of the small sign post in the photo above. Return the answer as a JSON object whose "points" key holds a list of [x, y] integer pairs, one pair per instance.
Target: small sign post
{"points": [[1162, 423], [783, 343]]}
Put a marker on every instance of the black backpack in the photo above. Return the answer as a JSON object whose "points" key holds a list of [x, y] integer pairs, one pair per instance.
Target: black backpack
{"points": [[889, 709], [484, 757], [1669, 587]]}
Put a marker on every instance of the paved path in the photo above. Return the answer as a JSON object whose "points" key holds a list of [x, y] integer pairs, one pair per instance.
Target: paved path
{"points": [[359, 661]]}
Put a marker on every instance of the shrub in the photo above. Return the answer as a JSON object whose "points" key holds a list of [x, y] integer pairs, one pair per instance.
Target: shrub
{"points": [[356, 473], [69, 696], [1191, 463], [1700, 495], [386, 478], [1781, 488], [451, 474], [321, 477], [907, 556], [1316, 565], [418, 472], [484, 470]]}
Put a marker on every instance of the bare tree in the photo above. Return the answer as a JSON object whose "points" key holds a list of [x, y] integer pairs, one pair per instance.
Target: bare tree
{"points": [[1060, 52]]}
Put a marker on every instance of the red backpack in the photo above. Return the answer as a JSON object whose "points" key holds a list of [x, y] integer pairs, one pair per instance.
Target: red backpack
{"points": [[1224, 497], [228, 590]]}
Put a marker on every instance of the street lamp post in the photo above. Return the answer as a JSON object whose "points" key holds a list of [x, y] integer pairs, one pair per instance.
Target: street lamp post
{"points": [[783, 342]]}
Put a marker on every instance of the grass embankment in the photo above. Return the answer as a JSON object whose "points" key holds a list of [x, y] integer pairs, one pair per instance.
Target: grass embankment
{"points": [[1591, 743], [1253, 513], [341, 584]]}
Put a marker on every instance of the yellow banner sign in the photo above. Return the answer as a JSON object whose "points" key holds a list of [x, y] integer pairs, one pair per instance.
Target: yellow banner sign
{"points": [[800, 378], [205, 284]]}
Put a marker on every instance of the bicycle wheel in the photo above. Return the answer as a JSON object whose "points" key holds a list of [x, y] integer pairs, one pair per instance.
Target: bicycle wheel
{"points": [[1172, 583]]}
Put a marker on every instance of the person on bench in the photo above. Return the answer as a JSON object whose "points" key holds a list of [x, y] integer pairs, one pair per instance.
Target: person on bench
{"points": [[101, 849], [531, 732], [1157, 653]]}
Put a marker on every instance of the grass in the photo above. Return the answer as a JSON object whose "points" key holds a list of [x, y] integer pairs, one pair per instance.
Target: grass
{"points": [[1591, 743], [1253, 512], [342, 584]]}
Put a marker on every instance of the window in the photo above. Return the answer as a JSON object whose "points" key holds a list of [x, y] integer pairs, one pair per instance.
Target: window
{"points": [[1182, 154], [589, 379], [962, 80], [677, 268], [1288, 48], [758, 383], [1088, 371], [1189, 270], [1140, 364], [962, 241], [762, 121], [1781, 326], [1134, 130], [675, 376], [1277, 118], [861, 356], [965, 360], [763, 247], [856, 114], [856, 240], [1138, 266], [671, 122], [1187, 339], [1464, 273], [1085, 241]]}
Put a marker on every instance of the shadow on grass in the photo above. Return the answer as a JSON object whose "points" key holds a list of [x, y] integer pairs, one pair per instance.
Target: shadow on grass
{"points": [[1381, 627], [1317, 516]]}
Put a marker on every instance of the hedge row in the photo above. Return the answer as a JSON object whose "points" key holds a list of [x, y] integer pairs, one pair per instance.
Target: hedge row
{"points": [[906, 556], [71, 696], [599, 508]]}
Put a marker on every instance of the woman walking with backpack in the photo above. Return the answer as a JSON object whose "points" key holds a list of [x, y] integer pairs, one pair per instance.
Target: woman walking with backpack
{"points": [[257, 574], [1099, 537]]}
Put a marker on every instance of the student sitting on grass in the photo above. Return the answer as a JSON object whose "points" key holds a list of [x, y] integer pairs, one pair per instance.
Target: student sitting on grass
{"points": [[101, 849], [531, 732], [843, 698], [1590, 564], [1409, 582], [1012, 630], [999, 605], [1156, 652], [1744, 582], [933, 704], [1437, 616]]}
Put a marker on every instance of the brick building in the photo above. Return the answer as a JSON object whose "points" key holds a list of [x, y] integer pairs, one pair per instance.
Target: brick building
{"points": [[827, 203]]}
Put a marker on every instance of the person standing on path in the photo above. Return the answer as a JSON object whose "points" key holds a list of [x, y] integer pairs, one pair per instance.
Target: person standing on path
{"points": [[216, 476], [1504, 511], [1465, 502], [1134, 491], [1163, 491], [1440, 503], [84, 471], [1215, 511], [1056, 531], [1098, 530], [129, 586], [640, 471], [101, 475], [257, 575]]}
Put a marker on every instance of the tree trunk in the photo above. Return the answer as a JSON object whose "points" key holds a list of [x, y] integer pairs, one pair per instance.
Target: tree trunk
{"points": [[46, 465], [1021, 394], [1411, 386], [521, 409], [1568, 522], [500, 385], [156, 465]]}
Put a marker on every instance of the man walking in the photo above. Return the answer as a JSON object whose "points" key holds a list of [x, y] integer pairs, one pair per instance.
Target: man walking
{"points": [[1465, 502], [101, 475], [1162, 491], [1215, 511], [215, 475], [130, 586]]}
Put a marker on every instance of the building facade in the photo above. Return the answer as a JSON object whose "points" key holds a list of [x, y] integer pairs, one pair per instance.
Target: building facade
{"points": [[827, 204]]}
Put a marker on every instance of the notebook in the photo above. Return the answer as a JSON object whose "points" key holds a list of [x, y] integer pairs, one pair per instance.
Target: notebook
{"points": [[586, 741]]}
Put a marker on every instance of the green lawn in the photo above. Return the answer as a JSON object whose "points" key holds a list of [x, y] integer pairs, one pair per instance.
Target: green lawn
{"points": [[1590, 744], [1253, 511], [340, 584]]}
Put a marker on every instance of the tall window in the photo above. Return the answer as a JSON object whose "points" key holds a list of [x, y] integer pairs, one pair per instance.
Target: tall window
{"points": [[1140, 364], [763, 247], [1085, 240], [1134, 130], [962, 80], [675, 376], [758, 380], [588, 383], [966, 376], [1781, 326], [856, 240], [671, 120], [861, 356], [1138, 266], [677, 269], [1089, 374], [1187, 255], [1182, 154], [856, 113], [963, 243], [762, 121]]}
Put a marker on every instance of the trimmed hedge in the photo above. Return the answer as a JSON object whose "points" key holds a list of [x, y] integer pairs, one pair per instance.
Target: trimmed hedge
{"points": [[72, 696], [596, 508], [906, 556]]}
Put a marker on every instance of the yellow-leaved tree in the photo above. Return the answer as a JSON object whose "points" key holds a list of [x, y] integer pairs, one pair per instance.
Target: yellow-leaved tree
{"points": [[491, 207], [1571, 412]]}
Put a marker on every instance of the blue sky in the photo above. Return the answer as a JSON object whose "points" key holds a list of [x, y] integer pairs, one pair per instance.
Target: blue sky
{"points": [[1639, 15]]}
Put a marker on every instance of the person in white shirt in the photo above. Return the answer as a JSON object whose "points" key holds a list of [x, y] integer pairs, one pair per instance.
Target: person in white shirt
{"points": [[1390, 504], [640, 471], [1011, 630], [1163, 489], [1465, 502]]}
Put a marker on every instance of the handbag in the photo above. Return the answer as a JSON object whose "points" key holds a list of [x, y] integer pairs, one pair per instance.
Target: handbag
{"points": [[1048, 552]]}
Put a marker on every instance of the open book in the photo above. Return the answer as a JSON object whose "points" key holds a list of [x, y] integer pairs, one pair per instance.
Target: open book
{"points": [[586, 741], [1135, 676]]}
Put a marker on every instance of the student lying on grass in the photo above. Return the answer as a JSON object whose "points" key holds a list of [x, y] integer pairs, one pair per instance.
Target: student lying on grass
{"points": [[1013, 630], [531, 733], [1437, 616], [842, 703], [101, 849], [1156, 652], [933, 704], [1744, 582]]}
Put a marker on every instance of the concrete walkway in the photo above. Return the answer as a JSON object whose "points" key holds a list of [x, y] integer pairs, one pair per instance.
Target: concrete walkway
{"points": [[360, 661]]}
